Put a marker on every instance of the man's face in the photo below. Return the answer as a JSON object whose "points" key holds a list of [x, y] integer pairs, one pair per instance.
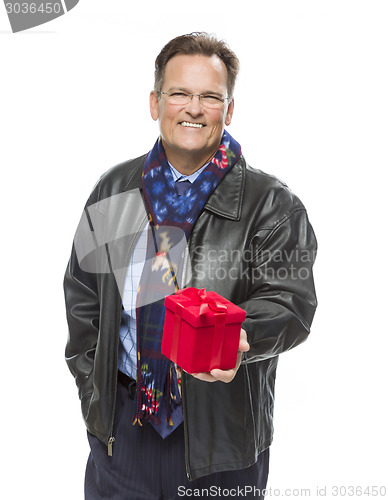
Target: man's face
{"points": [[182, 138]]}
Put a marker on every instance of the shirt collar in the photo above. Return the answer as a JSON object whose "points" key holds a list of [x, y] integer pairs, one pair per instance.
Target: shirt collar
{"points": [[191, 178]]}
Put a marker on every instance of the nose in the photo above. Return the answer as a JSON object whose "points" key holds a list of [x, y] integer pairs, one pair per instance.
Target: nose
{"points": [[194, 107]]}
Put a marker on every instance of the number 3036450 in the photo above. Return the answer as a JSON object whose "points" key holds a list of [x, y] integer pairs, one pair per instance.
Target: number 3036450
{"points": [[357, 491], [33, 8]]}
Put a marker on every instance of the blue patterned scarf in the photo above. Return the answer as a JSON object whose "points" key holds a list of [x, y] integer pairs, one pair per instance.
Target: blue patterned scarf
{"points": [[156, 375]]}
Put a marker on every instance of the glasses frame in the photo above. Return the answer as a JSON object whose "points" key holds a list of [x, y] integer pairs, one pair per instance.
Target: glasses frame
{"points": [[191, 95]]}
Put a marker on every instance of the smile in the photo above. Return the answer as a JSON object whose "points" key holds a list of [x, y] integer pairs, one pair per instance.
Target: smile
{"points": [[189, 124]]}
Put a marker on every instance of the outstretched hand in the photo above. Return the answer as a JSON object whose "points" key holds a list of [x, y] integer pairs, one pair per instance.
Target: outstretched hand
{"points": [[226, 375]]}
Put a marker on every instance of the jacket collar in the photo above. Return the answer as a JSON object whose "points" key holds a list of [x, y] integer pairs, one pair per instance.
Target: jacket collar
{"points": [[135, 180], [225, 201]]}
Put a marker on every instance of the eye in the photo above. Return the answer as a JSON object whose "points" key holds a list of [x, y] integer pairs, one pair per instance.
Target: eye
{"points": [[211, 99], [178, 95]]}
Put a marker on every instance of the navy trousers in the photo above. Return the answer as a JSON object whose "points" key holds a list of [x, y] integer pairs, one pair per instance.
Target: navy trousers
{"points": [[146, 467]]}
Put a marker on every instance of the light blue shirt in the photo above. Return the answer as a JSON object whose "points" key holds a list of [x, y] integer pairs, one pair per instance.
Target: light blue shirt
{"points": [[177, 175]]}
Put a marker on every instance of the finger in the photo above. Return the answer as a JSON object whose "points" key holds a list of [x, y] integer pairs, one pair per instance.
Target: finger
{"points": [[243, 346], [223, 375], [205, 377]]}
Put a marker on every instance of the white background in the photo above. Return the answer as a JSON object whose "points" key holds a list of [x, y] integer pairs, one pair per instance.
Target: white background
{"points": [[311, 107]]}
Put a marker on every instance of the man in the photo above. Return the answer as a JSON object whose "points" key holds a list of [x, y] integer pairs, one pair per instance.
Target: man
{"points": [[155, 432]]}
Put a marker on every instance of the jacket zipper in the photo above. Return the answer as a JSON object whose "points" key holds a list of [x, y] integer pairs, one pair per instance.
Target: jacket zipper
{"points": [[185, 427], [110, 446], [184, 382], [112, 439]]}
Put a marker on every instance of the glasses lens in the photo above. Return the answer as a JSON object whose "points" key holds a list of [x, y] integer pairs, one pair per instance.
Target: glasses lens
{"points": [[179, 98], [212, 101]]}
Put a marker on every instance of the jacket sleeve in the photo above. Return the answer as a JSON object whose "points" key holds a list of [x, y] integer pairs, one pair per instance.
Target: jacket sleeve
{"points": [[82, 306], [282, 300]]}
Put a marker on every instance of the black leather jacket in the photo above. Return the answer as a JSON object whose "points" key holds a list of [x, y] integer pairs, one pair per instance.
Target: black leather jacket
{"points": [[253, 244]]}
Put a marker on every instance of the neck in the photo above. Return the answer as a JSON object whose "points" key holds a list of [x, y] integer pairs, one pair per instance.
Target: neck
{"points": [[187, 164]]}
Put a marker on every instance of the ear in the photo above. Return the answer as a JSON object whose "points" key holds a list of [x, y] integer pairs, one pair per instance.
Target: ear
{"points": [[154, 105], [229, 113]]}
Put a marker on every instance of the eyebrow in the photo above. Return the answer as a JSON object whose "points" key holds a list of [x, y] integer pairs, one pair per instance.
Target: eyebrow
{"points": [[188, 91]]}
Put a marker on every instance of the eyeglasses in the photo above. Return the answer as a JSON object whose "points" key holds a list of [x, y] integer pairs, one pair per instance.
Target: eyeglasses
{"points": [[182, 98]]}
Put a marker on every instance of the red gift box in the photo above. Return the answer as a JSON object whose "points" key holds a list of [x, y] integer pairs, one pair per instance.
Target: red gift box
{"points": [[201, 330]]}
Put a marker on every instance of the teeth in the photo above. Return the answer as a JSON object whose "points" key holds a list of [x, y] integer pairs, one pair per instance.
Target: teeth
{"points": [[188, 124]]}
